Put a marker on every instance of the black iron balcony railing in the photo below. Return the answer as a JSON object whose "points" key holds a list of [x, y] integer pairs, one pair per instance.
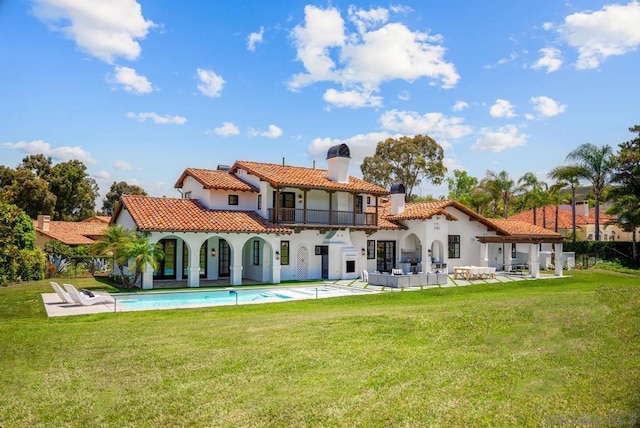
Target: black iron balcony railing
{"points": [[321, 217]]}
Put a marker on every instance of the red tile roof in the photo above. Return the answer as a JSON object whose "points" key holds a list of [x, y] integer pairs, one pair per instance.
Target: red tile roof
{"points": [[189, 215], [73, 232], [521, 228], [215, 179], [311, 178], [423, 211], [547, 216]]}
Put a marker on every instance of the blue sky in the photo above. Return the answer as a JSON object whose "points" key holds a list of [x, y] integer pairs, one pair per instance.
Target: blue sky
{"points": [[139, 91]]}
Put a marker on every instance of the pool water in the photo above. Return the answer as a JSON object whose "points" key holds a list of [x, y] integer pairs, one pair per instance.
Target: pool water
{"points": [[192, 299]]}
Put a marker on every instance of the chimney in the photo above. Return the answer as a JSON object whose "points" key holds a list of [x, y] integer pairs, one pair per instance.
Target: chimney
{"points": [[585, 204], [43, 222], [338, 158], [397, 198]]}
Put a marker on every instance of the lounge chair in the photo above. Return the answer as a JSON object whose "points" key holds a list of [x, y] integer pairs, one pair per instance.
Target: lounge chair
{"points": [[365, 276], [66, 297], [82, 299]]}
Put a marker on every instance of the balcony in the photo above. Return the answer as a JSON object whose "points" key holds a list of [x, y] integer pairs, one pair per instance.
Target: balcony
{"points": [[295, 216]]}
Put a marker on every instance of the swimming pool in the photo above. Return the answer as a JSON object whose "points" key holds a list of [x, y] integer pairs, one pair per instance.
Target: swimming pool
{"points": [[194, 299]]}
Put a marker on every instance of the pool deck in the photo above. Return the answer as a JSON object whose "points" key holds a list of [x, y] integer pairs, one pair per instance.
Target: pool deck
{"points": [[56, 308]]}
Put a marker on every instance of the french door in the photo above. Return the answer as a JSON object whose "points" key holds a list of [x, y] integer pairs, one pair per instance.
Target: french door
{"points": [[386, 256]]}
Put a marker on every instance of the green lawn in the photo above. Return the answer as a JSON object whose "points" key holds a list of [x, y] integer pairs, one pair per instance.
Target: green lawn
{"points": [[529, 353]]}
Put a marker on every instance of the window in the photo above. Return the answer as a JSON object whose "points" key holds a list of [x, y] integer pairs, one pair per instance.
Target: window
{"points": [[513, 250], [259, 202], [351, 266], [454, 246], [187, 195], [368, 200], [371, 249], [284, 252], [256, 252], [233, 199], [358, 204]]}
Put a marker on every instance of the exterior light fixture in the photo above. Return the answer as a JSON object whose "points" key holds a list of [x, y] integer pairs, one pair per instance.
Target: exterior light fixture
{"points": [[364, 251], [277, 255], [213, 252]]}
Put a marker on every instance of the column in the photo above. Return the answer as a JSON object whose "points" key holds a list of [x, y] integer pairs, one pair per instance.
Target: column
{"points": [[534, 261], [147, 278], [236, 275], [559, 260]]}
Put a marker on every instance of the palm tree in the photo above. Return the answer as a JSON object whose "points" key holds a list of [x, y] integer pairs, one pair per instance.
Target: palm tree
{"points": [[627, 209], [113, 244], [142, 253], [501, 187], [533, 192], [596, 166], [564, 176]]}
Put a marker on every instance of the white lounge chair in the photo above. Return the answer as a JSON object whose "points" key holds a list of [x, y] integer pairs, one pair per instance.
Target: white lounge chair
{"points": [[82, 299], [66, 297]]}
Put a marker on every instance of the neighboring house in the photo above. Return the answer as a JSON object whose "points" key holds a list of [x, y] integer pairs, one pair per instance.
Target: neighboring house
{"points": [[268, 223], [70, 233], [585, 222]]}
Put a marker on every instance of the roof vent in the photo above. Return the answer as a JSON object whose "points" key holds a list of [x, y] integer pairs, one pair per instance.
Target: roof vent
{"points": [[223, 168], [340, 150]]}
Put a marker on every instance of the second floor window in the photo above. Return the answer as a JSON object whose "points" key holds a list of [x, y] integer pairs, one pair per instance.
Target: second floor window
{"points": [[187, 195], [233, 199], [259, 202], [358, 204]]}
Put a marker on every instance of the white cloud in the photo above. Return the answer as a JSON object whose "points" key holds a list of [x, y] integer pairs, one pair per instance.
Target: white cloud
{"points": [[360, 146], [547, 107], [551, 60], [122, 166], [272, 132], [254, 38], [104, 29], [101, 175], [211, 84], [131, 81], [436, 125], [157, 119], [404, 96], [501, 108], [62, 153], [613, 30], [353, 99], [366, 19], [227, 129], [497, 140], [460, 105], [361, 60]]}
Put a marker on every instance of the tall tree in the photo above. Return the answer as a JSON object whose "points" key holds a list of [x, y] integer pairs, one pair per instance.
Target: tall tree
{"points": [[113, 244], [533, 192], [626, 194], [40, 165], [596, 166], [406, 160], [461, 186], [118, 189], [502, 189], [30, 193], [75, 190], [568, 175]]}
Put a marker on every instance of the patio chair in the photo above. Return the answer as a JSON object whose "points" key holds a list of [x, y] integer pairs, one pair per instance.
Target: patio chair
{"points": [[364, 276], [66, 297], [84, 300]]}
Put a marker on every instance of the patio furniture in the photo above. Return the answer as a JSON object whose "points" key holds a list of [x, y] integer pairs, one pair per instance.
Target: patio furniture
{"points": [[66, 297], [84, 300]]}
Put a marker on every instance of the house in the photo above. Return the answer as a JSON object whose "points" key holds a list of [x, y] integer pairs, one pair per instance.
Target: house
{"points": [[585, 222], [270, 222], [70, 233]]}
